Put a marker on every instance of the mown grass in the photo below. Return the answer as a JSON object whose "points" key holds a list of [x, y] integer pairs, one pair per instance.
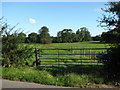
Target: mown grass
{"points": [[68, 59], [67, 46], [90, 44]]}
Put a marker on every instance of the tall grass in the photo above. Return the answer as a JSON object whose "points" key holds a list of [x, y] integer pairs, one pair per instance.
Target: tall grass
{"points": [[48, 78]]}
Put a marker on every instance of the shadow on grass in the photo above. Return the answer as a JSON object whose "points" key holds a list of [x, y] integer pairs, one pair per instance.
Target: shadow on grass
{"points": [[96, 42], [79, 69]]}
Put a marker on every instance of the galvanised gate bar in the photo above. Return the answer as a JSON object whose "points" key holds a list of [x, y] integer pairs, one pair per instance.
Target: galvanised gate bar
{"points": [[74, 59]]}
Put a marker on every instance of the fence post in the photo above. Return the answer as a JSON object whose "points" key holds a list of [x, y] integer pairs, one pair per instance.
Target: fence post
{"points": [[58, 59], [90, 54], [37, 56], [80, 55], [95, 56], [40, 56], [84, 52], [72, 50]]}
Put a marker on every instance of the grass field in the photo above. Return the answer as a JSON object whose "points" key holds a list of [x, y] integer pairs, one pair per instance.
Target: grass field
{"points": [[91, 44], [67, 66], [65, 61]]}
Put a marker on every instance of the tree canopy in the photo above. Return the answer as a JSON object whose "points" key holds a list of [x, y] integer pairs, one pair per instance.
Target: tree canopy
{"points": [[111, 58], [44, 35]]}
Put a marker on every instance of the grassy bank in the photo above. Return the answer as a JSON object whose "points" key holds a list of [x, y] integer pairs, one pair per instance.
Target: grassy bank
{"points": [[48, 78]]}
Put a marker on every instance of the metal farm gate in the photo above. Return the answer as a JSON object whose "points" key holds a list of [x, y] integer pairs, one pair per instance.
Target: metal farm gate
{"points": [[69, 60]]}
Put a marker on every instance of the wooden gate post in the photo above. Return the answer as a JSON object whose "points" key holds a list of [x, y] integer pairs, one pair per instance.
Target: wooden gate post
{"points": [[37, 56]]}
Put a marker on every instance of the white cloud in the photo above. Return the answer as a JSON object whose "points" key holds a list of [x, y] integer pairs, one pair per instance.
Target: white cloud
{"points": [[32, 20]]}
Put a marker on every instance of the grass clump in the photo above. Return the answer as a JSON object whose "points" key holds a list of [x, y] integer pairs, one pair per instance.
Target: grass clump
{"points": [[73, 80], [29, 75], [45, 77], [70, 79]]}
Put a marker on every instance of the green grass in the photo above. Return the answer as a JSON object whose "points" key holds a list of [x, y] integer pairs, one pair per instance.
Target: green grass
{"points": [[66, 75], [90, 44], [48, 78], [65, 63]]}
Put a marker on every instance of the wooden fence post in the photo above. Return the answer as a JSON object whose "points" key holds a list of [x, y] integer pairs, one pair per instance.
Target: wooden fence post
{"points": [[84, 52], [80, 56], [72, 49], [95, 56], [37, 56], [90, 54], [58, 59]]}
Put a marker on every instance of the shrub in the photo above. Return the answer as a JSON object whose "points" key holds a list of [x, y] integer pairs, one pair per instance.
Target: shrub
{"points": [[111, 62], [13, 55]]}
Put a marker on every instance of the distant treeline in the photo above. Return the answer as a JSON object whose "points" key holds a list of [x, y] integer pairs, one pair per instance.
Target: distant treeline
{"points": [[64, 36], [67, 36]]}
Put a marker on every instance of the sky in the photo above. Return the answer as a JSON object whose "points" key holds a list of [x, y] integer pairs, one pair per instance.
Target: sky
{"points": [[57, 16]]}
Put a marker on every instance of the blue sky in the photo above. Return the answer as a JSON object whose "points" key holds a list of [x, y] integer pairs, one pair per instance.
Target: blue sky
{"points": [[57, 16]]}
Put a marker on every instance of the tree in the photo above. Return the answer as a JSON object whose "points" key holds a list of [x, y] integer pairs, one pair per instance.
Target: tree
{"points": [[97, 38], [113, 19], [74, 37], [32, 37], [65, 36], [110, 37], [44, 35], [83, 34], [22, 37], [59, 37], [80, 35], [54, 39], [111, 59]]}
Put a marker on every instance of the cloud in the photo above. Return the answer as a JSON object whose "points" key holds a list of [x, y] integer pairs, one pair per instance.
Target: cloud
{"points": [[33, 21], [97, 10]]}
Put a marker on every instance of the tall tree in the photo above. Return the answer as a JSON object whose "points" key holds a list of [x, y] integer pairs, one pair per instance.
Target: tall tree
{"points": [[112, 20], [111, 59], [80, 35], [65, 36], [44, 35], [83, 34], [59, 37]]}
